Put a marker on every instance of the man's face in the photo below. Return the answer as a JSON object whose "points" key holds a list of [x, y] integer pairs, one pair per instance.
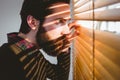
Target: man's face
{"points": [[55, 26]]}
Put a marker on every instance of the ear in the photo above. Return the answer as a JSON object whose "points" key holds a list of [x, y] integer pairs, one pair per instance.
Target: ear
{"points": [[32, 22]]}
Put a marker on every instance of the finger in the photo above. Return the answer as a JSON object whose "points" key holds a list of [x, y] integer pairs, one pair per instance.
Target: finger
{"points": [[74, 35], [71, 24]]}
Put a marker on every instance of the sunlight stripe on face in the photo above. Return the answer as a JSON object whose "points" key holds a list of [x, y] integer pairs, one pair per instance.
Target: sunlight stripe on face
{"points": [[58, 13], [54, 22], [49, 23], [58, 6]]}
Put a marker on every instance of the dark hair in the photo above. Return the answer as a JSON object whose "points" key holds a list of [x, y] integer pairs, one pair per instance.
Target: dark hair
{"points": [[38, 9]]}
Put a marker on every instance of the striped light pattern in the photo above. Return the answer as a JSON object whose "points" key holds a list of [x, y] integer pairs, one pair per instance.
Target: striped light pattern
{"points": [[36, 67], [96, 53]]}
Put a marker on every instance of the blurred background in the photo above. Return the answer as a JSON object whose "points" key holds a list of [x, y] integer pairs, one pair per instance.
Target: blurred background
{"points": [[9, 18]]}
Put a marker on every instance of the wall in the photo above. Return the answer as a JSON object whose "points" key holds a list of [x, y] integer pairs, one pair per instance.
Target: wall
{"points": [[9, 17]]}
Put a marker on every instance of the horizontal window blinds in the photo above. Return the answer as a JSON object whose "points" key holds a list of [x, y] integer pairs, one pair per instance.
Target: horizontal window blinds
{"points": [[103, 15], [83, 9], [96, 52]]}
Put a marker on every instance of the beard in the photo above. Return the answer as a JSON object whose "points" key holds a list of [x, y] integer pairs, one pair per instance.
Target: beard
{"points": [[54, 47]]}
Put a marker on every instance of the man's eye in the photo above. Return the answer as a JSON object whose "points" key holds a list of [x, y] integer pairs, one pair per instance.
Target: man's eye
{"points": [[61, 21]]}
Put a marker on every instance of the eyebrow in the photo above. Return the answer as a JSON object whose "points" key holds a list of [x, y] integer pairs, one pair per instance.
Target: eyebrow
{"points": [[51, 22], [63, 18]]}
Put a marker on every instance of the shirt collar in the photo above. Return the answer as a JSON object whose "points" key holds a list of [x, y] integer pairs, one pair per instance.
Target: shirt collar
{"points": [[20, 42]]}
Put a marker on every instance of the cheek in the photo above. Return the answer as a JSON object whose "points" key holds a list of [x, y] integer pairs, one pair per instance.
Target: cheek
{"points": [[66, 30], [52, 34], [55, 33]]}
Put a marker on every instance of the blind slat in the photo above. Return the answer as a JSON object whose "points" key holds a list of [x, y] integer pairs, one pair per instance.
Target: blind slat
{"points": [[80, 3], [104, 15], [97, 3]]}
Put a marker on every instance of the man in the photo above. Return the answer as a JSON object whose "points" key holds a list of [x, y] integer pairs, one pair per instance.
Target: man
{"points": [[44, 26]]}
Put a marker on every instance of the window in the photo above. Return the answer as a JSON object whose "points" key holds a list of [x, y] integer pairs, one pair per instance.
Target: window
{"points": [[97, 49]]}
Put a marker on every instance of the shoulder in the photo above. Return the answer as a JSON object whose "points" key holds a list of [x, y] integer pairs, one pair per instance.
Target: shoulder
{"points": [[4, 48], [10, 66], [5, 51]]}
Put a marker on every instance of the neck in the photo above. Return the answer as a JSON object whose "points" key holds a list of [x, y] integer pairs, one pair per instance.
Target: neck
{"points": [[30, 37]]}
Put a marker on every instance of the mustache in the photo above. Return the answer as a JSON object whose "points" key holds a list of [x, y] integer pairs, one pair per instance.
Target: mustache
{"points": [[55, 47]]}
